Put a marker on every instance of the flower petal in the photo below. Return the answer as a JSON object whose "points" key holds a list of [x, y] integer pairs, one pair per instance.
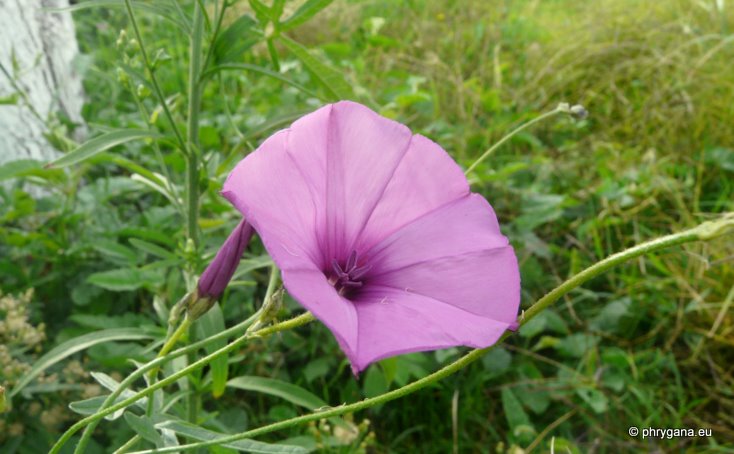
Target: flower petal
{"points": [[312, 290], [363, 150], [269, 190], [393, 322], [456, 255], [426, 178]]}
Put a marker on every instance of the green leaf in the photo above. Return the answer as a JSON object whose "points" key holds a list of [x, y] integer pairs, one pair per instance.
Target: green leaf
{"points": [[208, 325], [374, 382], [262, 12], [595, 398], [201, 434], [389, 369], [288, 391], [143, 426], [233, 42], [304, 13], [100, 144], [92, 405], [152, 249], [330, 78], [119, 280], [517, 419], [18, 168], [260, 70], [72, 346]]}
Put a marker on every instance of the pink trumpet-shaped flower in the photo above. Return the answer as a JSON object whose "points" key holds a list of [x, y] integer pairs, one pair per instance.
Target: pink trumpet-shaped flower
{"points": [[378, 235]]}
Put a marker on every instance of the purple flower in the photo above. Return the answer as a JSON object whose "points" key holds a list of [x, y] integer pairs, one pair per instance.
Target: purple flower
{"points": [[378, 235], [217, 275]]}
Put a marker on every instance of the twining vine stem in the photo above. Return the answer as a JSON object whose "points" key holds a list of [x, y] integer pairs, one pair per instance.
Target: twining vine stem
{"points": [[703, 232]]}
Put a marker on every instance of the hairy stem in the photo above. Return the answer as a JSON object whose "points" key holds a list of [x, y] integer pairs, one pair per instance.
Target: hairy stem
{"points": [[512, 133], [93, 419]]}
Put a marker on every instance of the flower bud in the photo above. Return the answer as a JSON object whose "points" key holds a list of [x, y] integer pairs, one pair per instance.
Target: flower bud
{"points": [[217, 275]]}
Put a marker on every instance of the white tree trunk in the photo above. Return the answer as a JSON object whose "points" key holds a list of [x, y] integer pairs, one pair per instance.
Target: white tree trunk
{"points": [[36, 49]]}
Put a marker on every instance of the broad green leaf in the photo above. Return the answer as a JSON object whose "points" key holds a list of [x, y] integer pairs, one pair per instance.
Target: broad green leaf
{"points": [[148, 7], [233, 42], [329, 77], [72, 346], [288, 391], [259, 70], [143, 426], [119, 280], [199, 433], [18, 168], [100, 144], [304, 13], [208, 325]]}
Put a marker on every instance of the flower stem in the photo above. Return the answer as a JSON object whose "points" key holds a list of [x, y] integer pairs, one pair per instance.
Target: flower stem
{"points": [[512, 133], [705, 231], [92, 420], [192, 134]]}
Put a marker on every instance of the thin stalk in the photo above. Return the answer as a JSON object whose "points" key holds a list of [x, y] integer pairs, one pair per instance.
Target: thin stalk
{"points": [[512, 133], [92, 420], [192, 139], [157, 362], [192, 168], [154, 80], [705, 231], [182, 329], [128, 444]]}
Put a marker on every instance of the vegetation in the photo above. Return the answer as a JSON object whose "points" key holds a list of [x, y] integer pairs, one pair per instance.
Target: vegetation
{"points": [[113, 241]]}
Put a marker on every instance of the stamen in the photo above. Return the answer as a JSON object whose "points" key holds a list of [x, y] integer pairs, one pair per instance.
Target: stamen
{"points": [[350, 276]]}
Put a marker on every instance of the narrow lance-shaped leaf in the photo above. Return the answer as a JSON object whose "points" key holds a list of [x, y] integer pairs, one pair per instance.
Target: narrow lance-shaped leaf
{"points": [[304, 13], [259, 70], [18, 168], [100, 144], [232, 43], [210, 324], [199, 433], [330, 78], [143, 426], [288, 391], [72, 346]]}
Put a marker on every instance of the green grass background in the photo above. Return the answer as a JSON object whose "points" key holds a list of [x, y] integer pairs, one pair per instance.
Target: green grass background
{"points": [[650, 344]]}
